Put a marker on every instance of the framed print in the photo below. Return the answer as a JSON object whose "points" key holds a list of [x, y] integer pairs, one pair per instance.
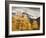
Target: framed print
{"points": [[24, 18]]}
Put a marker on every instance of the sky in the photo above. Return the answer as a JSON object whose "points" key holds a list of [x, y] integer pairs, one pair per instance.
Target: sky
{"points": [[32, 12]]}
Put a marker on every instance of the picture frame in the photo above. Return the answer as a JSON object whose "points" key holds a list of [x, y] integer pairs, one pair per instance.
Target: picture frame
{"points": [[37, 7]]}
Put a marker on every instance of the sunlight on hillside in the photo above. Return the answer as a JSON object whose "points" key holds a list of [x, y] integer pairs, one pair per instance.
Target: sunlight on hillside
{"points": [[22, 23]]}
